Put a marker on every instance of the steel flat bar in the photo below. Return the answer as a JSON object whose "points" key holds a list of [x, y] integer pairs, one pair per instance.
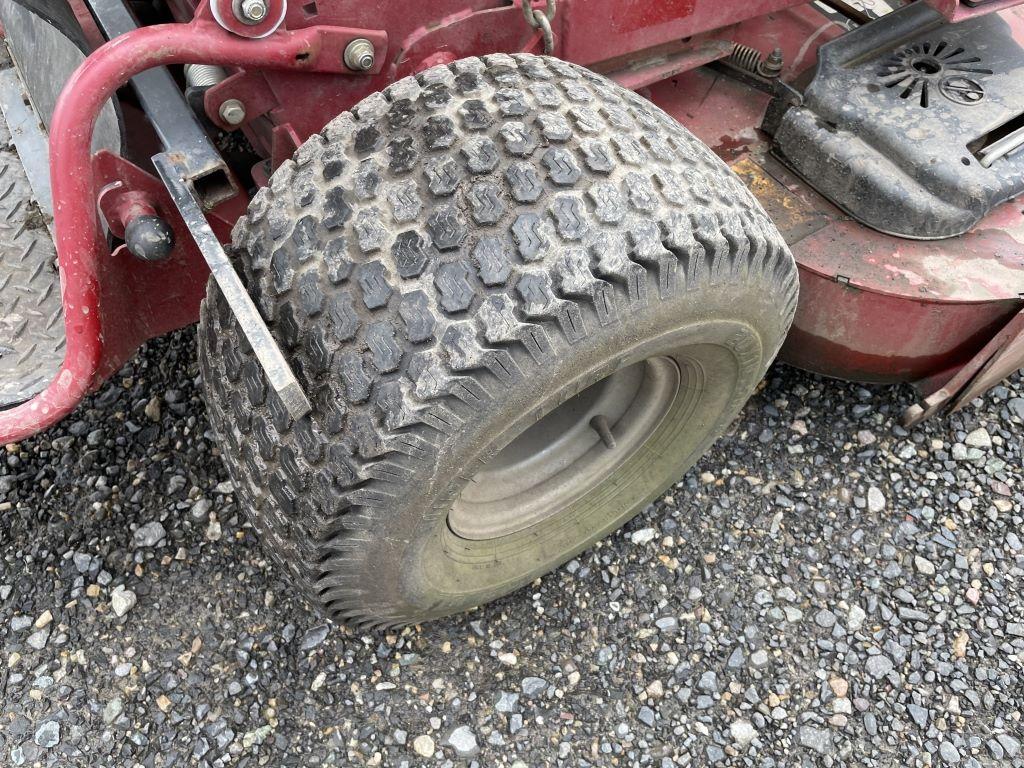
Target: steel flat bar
{"points": [[29, 137], [278, 372]]}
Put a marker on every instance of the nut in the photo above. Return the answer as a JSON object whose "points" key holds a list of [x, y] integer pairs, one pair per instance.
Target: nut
{"points": [[252, 11], [359, 55], [232, 112]]}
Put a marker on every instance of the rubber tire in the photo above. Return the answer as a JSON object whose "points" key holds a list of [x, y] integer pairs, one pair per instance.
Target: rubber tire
{"points": [[442, 265]]}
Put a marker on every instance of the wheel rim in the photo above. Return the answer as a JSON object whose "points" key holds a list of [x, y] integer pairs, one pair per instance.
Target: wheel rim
{"points": [[566, 452]]}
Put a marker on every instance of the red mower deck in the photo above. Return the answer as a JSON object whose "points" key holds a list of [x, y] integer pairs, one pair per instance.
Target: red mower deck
{"points": [[873, 307]]}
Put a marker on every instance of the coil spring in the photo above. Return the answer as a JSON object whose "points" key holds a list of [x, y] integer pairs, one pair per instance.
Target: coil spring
{"points": [[746, 58], [204, 75]]}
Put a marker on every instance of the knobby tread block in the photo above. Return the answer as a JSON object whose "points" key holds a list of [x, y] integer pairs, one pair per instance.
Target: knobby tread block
{"points": [[473, 223]]}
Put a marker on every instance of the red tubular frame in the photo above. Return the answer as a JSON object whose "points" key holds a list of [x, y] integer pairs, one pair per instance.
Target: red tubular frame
{"points": [[81, 245]]}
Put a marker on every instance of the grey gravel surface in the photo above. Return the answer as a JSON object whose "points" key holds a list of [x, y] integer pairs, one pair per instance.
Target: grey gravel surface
{"points": [[825, 588]]}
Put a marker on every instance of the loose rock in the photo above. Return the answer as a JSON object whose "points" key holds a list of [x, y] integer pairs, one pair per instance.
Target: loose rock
{"points": [[423, 746], [149, 535], [122, 600], [48, 734], [463, 741]]}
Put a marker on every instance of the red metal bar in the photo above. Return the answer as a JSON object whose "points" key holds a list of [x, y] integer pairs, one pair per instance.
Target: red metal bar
{"points": [[642, 72], [81, 248]]}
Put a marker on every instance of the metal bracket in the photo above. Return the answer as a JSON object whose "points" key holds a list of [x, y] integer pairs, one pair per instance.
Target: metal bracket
{"points": [[171, 116], [783, 94], [279, 373], [773, 86]]}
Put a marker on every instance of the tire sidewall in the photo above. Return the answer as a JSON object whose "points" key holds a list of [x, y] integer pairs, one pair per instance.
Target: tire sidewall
{"points": [[724, 316]]}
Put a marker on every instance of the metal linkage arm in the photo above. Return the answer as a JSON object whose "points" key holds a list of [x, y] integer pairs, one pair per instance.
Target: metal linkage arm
{"points": [[172, 118], [279, 373]]}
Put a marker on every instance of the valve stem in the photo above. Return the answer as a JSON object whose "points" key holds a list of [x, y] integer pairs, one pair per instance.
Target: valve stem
{"points": [[600, 425]]}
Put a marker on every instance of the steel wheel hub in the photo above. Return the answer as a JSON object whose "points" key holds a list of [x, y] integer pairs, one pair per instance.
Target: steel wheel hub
{"points": [[566, 452]]}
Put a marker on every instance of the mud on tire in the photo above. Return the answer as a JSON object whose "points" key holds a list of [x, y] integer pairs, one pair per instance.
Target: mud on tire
{"points": [[444, 265]]}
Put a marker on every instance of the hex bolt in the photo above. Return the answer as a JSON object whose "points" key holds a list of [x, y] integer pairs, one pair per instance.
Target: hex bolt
{"points": [[251, 11], [232, 112], [771, 67], [359, 55]]}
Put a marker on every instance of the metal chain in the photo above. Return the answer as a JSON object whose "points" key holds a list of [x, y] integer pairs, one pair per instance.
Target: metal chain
{"points": [[541, 20]]}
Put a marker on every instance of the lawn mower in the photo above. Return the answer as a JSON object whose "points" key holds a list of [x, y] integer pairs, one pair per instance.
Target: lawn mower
{"points": [[477, 280]]}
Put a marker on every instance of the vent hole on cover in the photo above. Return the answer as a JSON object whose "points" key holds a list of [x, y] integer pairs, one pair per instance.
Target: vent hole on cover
{"points": [[927, 66]]}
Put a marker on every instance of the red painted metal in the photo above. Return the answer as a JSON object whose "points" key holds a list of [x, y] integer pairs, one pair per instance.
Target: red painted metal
{"points": [[628, 26], [120, 203], [665, 62], [93, 36], [595, 33], [444, 31], [871, 335], [333, 39], [136, 300], [250, 88], [946, 297], [955, 10], [462, 29]]}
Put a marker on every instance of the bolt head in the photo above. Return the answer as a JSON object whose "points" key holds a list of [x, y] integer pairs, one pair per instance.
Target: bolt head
{"points": [[359, 55], [253, 11], [232, 112]]}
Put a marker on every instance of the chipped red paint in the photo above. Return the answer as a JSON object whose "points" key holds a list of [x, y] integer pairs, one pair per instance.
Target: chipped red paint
{"points": [[866, 335], [956, 10]]}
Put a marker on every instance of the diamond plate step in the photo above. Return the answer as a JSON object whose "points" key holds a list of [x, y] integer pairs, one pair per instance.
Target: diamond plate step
{"points": [[31, 316]]}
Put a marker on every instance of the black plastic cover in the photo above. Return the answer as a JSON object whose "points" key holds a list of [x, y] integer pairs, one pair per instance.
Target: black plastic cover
{"points": [[903, 116]]}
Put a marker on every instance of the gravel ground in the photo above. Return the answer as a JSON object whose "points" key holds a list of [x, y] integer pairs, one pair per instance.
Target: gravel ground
{"points": [[825, 588]]}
